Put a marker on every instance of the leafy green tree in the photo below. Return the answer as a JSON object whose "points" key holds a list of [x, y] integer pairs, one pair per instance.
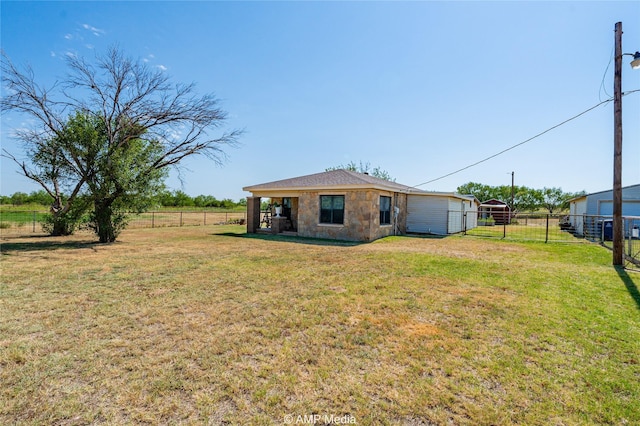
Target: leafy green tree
{"points": [[182, 199], [480, 191], [526, 199], [165, 198], [39, 197], [130, 125], [364, 168], [553, 198], [19, 198], [227, 203]]}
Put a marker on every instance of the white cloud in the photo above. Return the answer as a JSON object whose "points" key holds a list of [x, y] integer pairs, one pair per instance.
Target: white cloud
{"points": [[162, 68], [96, 31], [53, 54], [68, 36]]}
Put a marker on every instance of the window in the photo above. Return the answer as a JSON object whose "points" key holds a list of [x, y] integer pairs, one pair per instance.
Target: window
{"points": [[332, 209], [385, 210]]}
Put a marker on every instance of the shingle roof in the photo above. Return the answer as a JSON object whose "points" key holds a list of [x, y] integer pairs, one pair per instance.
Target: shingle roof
{"points": [[332, 179]]}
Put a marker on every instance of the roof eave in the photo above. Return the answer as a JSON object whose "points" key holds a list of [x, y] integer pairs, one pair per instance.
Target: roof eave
{"points": [[258, 188]]}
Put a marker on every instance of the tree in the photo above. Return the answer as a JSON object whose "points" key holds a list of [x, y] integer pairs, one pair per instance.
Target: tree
{"points": [[480, 191], [19, 198], [39, 197], [552, 198], [525, 199], [110, 130], [364, 168]]}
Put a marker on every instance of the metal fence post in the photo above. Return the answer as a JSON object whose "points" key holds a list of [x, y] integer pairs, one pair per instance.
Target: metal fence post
{"points": [[546, 237], [205, 218], [464, 221], [630, 234], [153, 220], [180, 218], [34, 221]]}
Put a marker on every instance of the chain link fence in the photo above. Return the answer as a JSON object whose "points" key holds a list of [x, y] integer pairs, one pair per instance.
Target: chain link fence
{"points": [[20, 223]]}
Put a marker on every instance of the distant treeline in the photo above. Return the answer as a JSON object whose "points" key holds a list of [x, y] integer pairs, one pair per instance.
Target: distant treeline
{"points": [[164, 199], [522, 198]]}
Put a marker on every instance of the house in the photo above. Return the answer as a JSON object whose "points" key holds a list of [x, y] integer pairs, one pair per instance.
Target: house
{"points": [[497, 209], [588, 211], [345, 205]]}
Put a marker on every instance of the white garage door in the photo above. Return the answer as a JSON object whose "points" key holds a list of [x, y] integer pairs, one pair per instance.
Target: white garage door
{"points": [[427, 214]]}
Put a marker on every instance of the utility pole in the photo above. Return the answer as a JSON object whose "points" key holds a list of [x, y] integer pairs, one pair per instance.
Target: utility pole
{"points": [[618, 240], [512, 196]]}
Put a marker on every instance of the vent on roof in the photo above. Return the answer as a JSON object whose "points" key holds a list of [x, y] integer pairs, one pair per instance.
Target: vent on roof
{"points": [[366, 173]]}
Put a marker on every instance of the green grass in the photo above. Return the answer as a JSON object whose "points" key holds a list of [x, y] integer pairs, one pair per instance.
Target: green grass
{"points": [[208, 325]]}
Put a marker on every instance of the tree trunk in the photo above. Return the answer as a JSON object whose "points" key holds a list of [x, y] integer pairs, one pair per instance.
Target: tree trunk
{"points": [[104, 225], [61, 226], [60, 223]]}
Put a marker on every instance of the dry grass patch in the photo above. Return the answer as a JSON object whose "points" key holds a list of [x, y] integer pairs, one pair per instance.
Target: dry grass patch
{"points": [[206, 325]]}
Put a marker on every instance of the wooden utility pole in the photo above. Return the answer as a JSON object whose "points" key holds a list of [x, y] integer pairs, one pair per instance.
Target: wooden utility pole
{"points": [[618, 239], [512, 196]]}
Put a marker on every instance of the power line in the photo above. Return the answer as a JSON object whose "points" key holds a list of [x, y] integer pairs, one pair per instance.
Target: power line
{"points": [[602, 86], [524, 142]]}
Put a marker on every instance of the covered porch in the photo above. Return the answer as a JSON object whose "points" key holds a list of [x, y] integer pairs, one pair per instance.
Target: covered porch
{"points": [[272, 215]]}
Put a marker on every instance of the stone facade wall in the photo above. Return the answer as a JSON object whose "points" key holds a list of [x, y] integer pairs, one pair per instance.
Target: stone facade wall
{"points": [[361, 216]]}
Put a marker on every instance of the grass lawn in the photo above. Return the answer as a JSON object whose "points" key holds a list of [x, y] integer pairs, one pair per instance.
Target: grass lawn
{"points": [[208, 325]]}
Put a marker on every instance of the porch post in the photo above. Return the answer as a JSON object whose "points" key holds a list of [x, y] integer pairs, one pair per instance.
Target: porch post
{"points": [[253, 214]]}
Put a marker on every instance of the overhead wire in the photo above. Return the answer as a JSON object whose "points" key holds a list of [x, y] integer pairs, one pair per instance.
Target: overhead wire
{"points": [[603, 88], [525, 141]]}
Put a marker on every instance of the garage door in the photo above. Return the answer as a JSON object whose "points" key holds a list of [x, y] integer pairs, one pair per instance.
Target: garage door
{"points": [[629, 208], [427, 214]]}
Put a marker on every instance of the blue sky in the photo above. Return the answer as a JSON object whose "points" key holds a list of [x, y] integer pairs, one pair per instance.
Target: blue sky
{"points": [[420, 89]]}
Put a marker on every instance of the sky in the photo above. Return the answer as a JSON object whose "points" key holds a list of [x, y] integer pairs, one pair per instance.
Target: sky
{"points": [[420, 89]]}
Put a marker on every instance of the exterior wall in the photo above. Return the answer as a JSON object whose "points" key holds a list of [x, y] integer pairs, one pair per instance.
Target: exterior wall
{"points": [[361, 216], [577, 210], [294, 212], [455, 219], [400, 222]]}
